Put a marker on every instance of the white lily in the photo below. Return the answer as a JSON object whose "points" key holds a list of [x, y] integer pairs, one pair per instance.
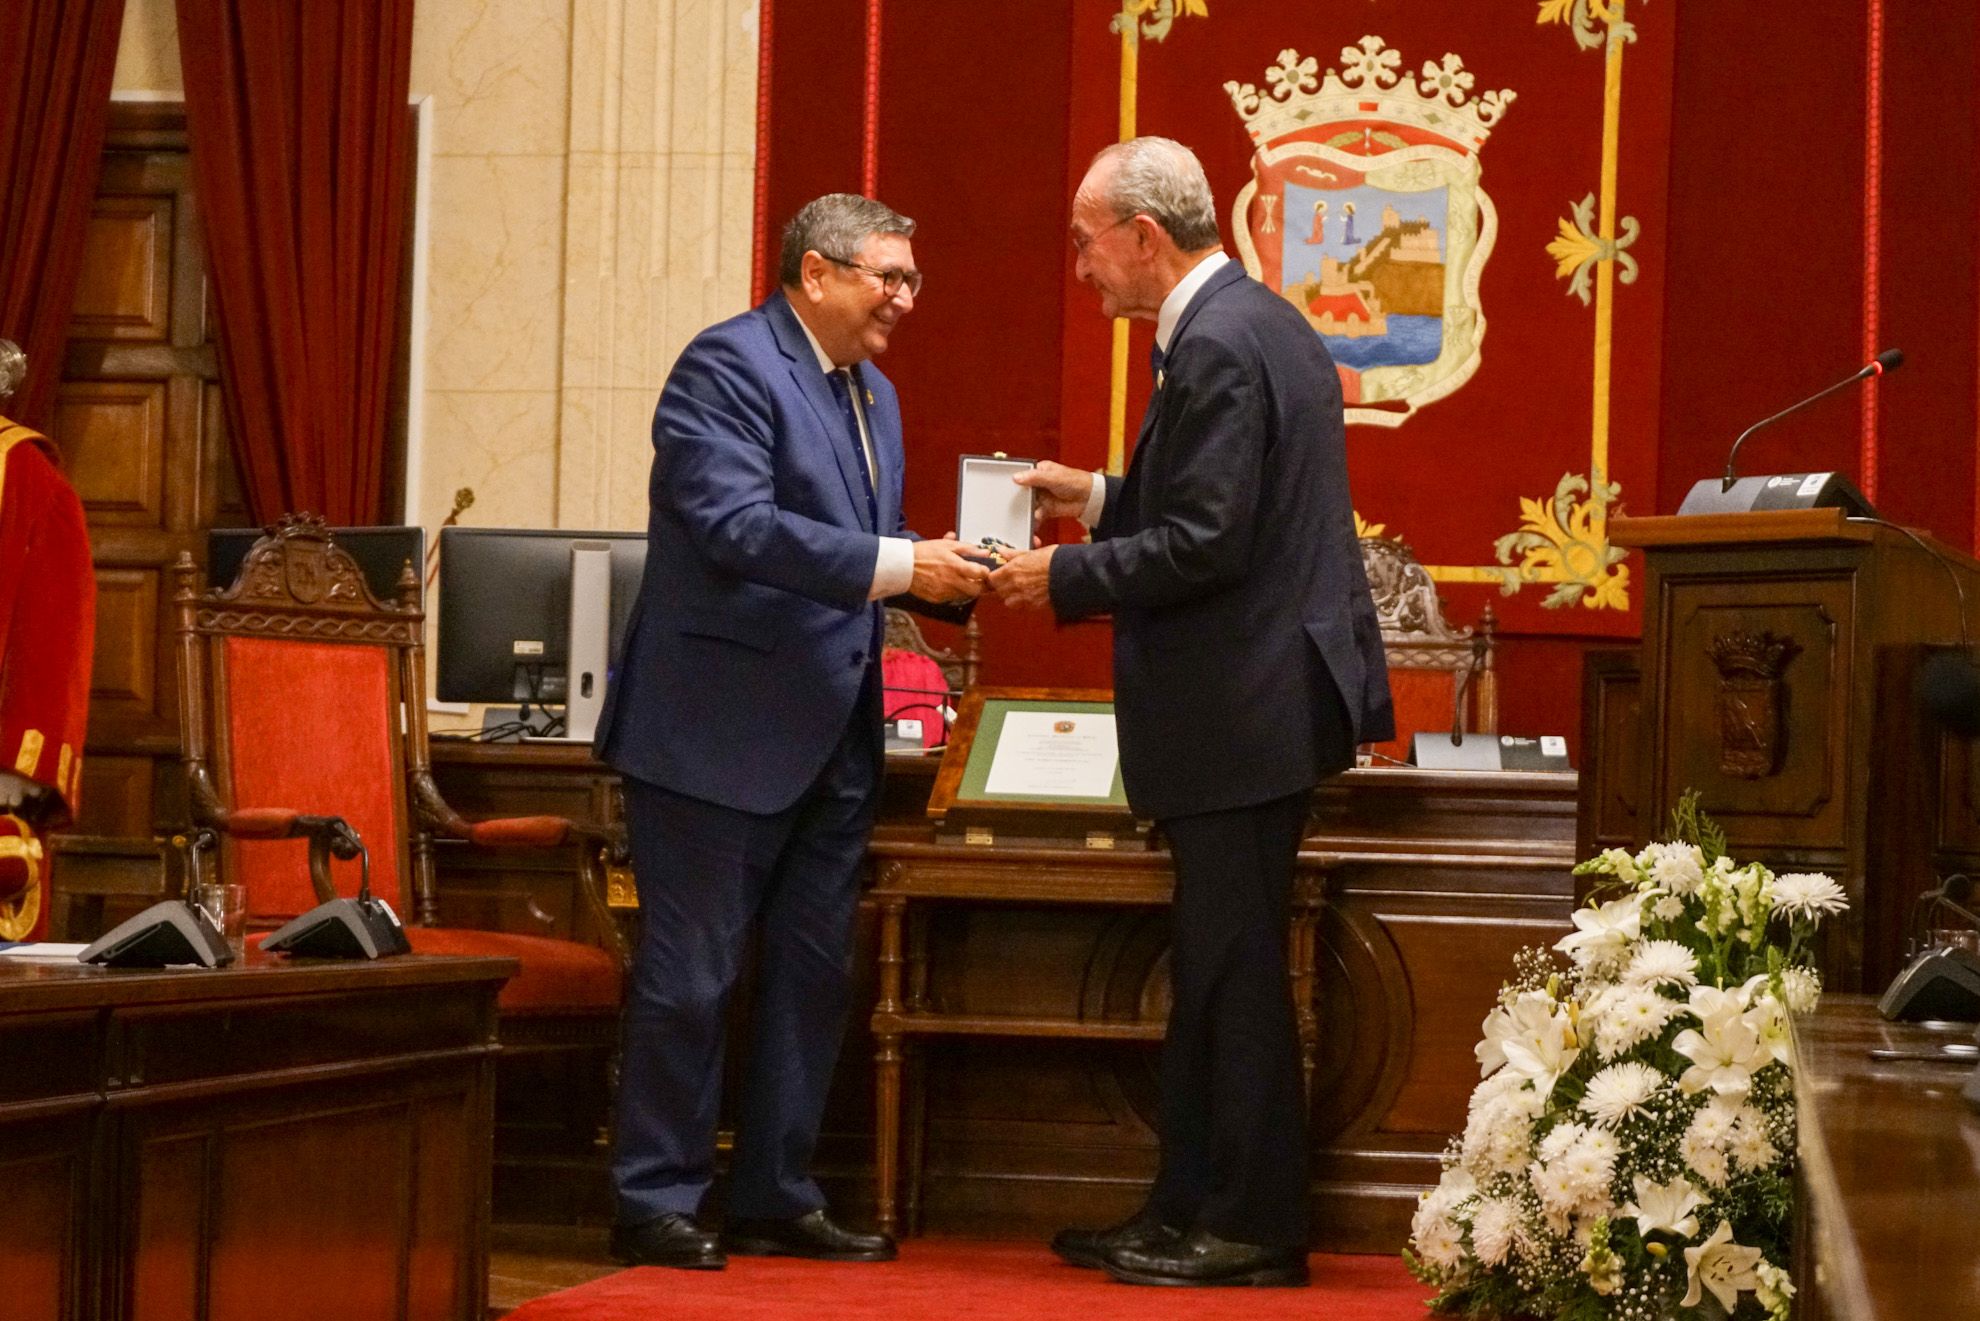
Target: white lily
{"points": [[1665, 1207], [1724, 1055], [1603, 934], [1721, 1265]]}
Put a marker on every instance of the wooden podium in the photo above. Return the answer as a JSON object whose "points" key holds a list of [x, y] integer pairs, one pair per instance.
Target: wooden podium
{"points": [[1778, 677]]}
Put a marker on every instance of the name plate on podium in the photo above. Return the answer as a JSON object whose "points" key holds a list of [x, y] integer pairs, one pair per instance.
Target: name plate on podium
{"points": [[1034, 766]]}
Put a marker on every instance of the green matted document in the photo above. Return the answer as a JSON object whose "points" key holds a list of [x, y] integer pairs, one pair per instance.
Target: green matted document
{"points": [[1034, 762]]}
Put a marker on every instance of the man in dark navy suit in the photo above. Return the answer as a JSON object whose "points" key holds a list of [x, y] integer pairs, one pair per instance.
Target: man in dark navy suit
{"points": [[745, 718], [1247, 665]]}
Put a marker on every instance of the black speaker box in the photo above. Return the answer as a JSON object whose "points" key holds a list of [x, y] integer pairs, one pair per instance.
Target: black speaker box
{"points": [[165, 933], [342, 929], [1940, 983], [1793, 490]]}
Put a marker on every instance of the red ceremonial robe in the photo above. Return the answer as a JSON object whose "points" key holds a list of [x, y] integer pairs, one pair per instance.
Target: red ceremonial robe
{"points": [[47, 632]]}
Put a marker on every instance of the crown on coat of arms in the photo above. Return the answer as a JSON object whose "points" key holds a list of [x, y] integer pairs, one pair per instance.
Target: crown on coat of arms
{"points": [[1367, 87]]}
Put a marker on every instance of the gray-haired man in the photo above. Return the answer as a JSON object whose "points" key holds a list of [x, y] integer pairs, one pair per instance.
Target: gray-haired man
{"points": [[1247, 666]]}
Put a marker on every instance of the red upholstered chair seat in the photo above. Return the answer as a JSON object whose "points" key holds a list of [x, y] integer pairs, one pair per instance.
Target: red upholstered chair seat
{"points": [[557, 976]]}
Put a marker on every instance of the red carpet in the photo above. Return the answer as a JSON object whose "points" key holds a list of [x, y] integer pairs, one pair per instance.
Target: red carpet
{"points": [[948, 1278]]}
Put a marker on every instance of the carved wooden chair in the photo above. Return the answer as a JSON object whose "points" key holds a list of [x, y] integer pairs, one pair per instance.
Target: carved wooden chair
{"points": [[917, 678], [302, 698], [1435, 671]]}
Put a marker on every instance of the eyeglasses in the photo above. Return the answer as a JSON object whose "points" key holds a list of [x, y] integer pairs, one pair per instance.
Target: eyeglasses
{"points": [[1080, 245], [890, 279]]}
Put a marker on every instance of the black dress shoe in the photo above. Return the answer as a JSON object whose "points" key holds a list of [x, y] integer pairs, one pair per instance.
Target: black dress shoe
{"points": [[1201, 1258], [815, 1235], [1089, 1247], [671, 1239]]}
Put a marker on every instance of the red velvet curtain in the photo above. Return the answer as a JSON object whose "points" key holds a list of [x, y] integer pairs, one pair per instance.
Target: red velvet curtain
{"points": [[56, 62], [299, 126]]}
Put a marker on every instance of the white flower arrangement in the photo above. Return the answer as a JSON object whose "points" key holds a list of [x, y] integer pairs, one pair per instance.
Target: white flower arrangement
{"points": [[1630, 1149]]}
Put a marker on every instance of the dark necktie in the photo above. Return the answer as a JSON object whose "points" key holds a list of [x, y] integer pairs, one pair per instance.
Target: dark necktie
{"points": [[842, 388], [1155, 356]]}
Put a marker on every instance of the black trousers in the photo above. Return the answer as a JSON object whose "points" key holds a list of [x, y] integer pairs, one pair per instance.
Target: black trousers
{"points": [[1233, 1111]]}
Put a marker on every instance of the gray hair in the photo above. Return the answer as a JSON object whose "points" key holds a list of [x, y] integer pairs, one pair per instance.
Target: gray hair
{"points": [[1162, 179], [835, 225], [13, 367]]}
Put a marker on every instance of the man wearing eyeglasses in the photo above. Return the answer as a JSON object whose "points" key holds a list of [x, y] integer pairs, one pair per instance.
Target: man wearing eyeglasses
{"points": [[745, 718], [1247, 665]]}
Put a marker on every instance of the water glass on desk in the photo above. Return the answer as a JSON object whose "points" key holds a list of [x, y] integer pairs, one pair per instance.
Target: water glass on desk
{"points": [[227, 906]]}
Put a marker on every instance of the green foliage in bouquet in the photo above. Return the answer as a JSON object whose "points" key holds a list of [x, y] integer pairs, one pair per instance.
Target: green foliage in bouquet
{"points": [[1629, 1151]]}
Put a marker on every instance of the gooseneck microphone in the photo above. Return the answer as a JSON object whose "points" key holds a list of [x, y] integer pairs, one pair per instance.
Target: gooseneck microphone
{"points": [[1887, 361]]}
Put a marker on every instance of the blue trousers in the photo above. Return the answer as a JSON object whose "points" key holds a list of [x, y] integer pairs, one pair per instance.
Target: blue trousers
{"points": [[706, 874]]}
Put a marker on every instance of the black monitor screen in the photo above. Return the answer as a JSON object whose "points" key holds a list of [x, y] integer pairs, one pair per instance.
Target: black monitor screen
{"points": [[505, 604], [382, 554]]}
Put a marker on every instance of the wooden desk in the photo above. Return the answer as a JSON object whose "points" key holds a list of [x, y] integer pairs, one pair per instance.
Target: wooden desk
{"points": [[909, 876], [1888, 1184], [304, 1140]]}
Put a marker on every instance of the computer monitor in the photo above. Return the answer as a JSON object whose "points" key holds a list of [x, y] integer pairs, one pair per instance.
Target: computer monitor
{"points": [[506, 605], [382, 554]]}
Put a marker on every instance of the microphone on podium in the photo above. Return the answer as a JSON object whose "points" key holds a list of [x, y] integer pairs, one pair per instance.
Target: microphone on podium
{"points": [[1731, 494]]}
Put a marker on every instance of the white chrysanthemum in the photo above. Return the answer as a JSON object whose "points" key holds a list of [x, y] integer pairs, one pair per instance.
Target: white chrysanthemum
{"points": [[1708, 1162], [1558, 1191], [1674, 868], [1494, 1229], [1802, 987], [1630, 1016], [1713, 1124], [1619, 1091], [1497, 1138], [1661, 963], [1438, 1243], [1668, 908], [1443, 1200], [1588, 1169], [1807, 895], [1749, 1146], [1559, 1139]]}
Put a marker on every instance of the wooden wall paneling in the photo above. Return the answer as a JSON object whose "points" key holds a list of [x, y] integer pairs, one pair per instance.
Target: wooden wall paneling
{"points": [[1607, 812], [124, 291], [43, 1223]]}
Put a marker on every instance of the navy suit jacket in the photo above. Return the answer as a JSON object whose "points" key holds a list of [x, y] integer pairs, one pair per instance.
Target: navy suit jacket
{"points": [[750, 645], [1227, 555]]}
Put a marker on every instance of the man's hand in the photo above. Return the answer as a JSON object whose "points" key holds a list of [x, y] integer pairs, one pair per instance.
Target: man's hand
{"points": [[942, 574], [1026, 578], [1058, 491]]}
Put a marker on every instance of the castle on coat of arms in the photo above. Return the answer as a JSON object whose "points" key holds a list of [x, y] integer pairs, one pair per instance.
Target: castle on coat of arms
{"points": [[1400, 269]]}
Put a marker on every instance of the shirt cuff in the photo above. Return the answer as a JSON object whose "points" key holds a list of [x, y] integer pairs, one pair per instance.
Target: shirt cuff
{"points": [[1096, 500], [893, 568]]}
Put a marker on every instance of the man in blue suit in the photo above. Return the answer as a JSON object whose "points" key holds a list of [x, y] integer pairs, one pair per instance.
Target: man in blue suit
{"points": [[745, 718], [1247, 665]]}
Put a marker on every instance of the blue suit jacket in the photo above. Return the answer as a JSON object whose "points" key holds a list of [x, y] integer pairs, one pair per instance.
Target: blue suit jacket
{"points": [[752, 637], [1227, 555]]}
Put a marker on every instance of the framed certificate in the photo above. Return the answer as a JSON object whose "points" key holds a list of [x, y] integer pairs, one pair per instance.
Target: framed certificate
{"points": [[1034, 764], [990, 507]]}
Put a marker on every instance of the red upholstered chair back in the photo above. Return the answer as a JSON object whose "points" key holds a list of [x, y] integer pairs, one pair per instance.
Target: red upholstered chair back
{"points": [[310, 725], [1427, 657], [297, 689]]}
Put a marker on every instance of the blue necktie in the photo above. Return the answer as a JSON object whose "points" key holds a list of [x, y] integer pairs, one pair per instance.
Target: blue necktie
{"points": [[842, 386], [1155, 356]]}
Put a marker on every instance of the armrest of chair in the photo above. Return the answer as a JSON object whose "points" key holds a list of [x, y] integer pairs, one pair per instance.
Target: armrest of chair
{"points": [[598, 847], [328, 836]]}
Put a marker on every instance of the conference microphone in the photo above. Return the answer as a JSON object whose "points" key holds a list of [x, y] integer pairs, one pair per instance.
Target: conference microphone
{"points": [[1887, 361], [1731, 494]]}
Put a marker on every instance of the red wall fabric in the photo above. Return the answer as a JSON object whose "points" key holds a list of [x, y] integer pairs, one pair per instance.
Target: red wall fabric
{"points": [[1742, 160], [299, 128], [308, 729], [57, 59]]}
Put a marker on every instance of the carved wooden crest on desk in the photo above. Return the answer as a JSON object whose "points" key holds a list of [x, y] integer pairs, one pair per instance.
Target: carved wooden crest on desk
{"points": [[1752, 700]]}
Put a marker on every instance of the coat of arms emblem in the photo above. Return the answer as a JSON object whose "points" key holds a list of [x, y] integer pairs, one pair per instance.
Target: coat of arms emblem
{"points": [[1364, 211]]}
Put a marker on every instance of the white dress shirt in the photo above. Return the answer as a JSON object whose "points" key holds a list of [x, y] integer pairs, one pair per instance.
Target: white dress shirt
{"points": [[1165, 329], [893, 563]]}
